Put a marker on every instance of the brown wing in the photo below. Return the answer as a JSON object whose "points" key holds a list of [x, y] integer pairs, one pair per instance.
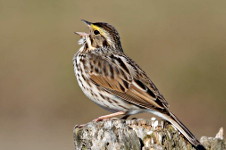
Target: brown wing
{"points": [[125, 80]]}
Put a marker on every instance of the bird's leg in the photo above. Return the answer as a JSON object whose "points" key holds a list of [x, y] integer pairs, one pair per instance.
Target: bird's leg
{"points": [[126, 116], [80, 126], [109, 116]]}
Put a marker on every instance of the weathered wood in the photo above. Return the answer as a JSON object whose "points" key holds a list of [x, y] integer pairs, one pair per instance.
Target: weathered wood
{"points": [[137, 134]]}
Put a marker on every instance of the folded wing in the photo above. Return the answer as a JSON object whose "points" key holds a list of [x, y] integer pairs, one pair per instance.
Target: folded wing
{"points": [[116, 75]]}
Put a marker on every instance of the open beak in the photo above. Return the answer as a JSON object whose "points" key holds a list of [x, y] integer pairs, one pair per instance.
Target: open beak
{"points": [[82, 34], [86, 22]]}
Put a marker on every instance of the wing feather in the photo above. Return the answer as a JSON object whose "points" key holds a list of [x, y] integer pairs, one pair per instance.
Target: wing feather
{"points": [[126, 82]]}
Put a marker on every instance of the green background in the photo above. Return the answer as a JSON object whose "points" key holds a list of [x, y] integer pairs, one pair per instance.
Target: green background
{"points": [[180, 44]]}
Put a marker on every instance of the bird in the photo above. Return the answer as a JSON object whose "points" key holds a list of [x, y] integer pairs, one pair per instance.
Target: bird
{"points": [[115, 82]]}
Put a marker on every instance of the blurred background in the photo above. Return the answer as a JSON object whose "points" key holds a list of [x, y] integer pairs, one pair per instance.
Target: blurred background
{"points": [[180, 44]]}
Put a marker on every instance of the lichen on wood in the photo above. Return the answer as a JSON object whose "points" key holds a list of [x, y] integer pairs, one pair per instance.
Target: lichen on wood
{"points": [[136, 134]]}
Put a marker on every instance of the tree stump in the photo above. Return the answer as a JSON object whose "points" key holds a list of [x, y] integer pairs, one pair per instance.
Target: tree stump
{"points": [[137, 134]]}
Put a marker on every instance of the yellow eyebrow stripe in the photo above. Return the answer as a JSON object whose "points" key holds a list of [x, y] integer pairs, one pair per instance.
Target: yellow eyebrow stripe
{"points": [[94, 27]]}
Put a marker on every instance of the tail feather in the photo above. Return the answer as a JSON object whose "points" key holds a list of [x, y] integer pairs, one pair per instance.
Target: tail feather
{"points": [[181, 127], [185, 131]]}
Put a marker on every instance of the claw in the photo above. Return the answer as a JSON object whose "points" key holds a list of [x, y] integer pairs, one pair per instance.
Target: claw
{"points": [[80, 126], [97, 119]]}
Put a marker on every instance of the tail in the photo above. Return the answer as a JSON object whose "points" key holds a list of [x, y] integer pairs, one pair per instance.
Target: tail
{"points": [[182, 128]]}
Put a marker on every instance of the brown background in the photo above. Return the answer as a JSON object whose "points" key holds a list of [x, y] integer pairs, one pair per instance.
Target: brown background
{"points": [[180, 44]]}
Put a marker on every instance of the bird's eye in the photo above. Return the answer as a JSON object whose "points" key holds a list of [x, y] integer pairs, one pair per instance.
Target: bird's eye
{"points": [[96, 32]]}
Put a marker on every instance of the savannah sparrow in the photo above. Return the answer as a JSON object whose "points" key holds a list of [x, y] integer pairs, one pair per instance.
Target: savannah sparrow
{"points": [[115, 82]]}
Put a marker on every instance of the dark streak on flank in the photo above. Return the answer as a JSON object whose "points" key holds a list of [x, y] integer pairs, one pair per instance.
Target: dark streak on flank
{"points": [[83, 76], [86, 80], [122, 106], [102, 96], [109, 100], [76, 64], [92, 93], [81, 83]]}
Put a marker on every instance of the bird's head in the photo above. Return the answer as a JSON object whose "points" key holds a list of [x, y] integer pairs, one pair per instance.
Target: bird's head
{"points": [[101, 35]]}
